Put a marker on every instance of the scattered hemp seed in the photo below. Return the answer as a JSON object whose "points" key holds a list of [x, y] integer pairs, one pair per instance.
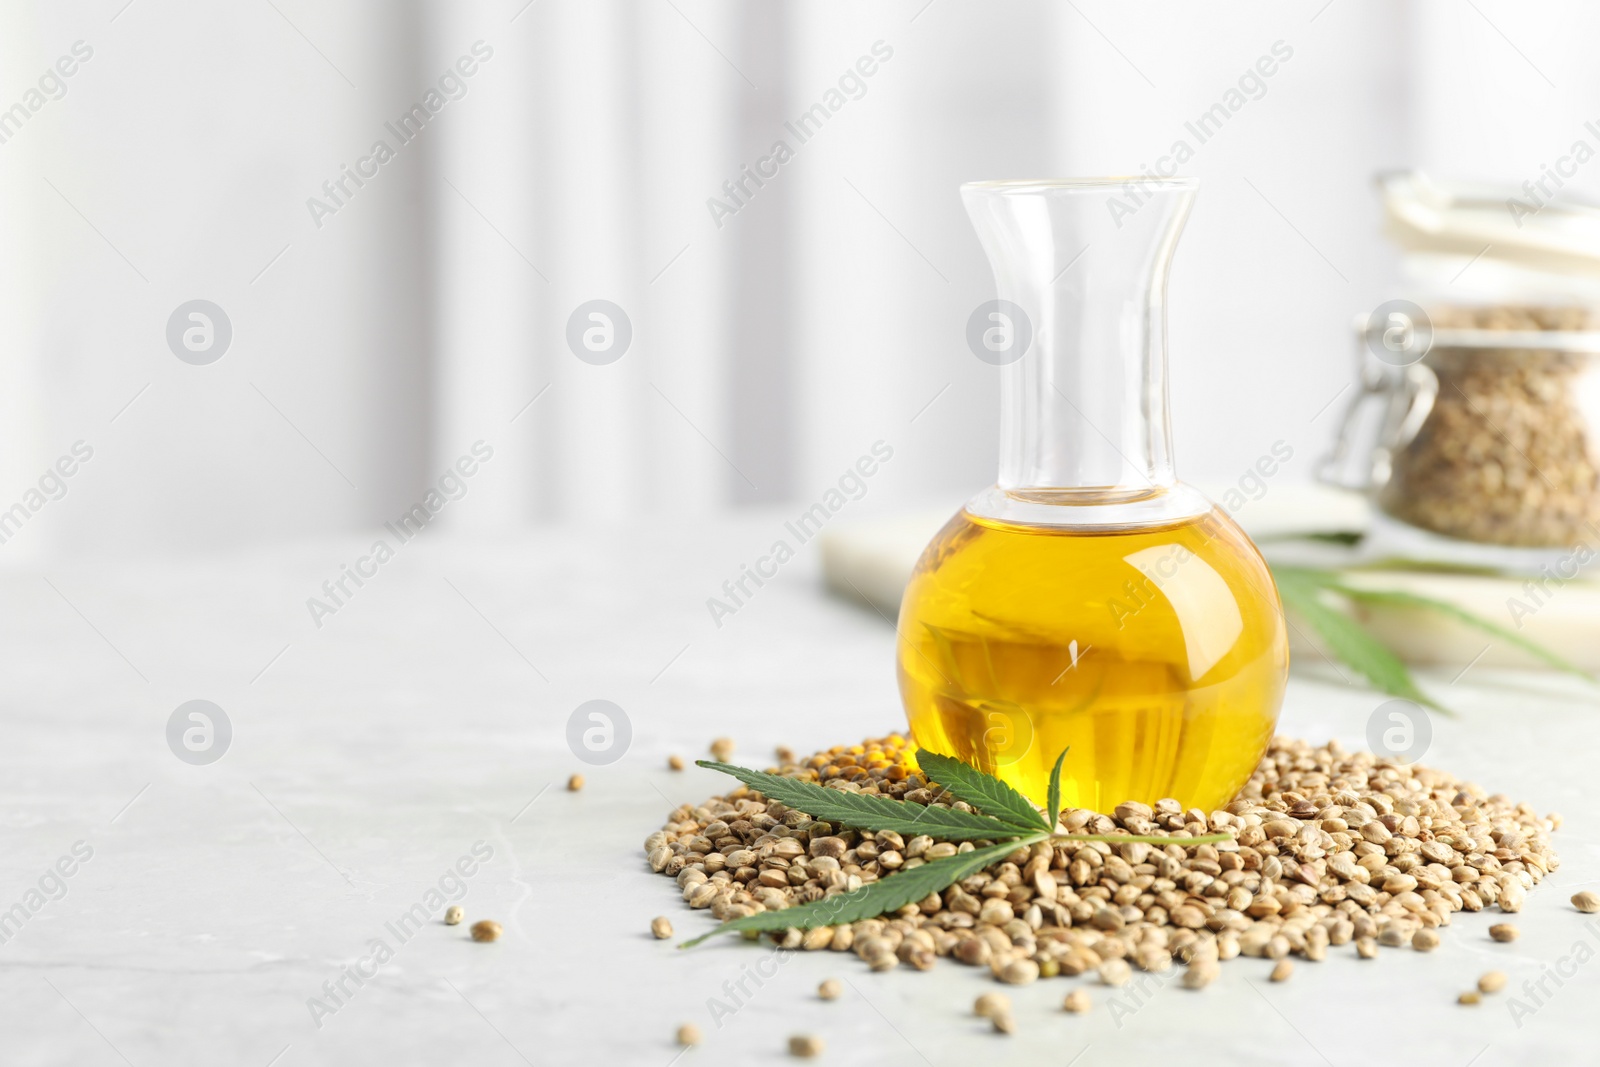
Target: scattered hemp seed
{"points": [[675, 762], [1200, 973], [1504, 931], [805, 1046], [1366, 948], [830, 989], [485, 930], [721, 749], [1469, 997], [1077, 1001], [688, 1035], [1004, 1023], [1425, 940], [1586, 901], [1281, 971], [661, 926], [453, 915], [784, 753], [575, 783], [988, 1005], [1492, 982]]}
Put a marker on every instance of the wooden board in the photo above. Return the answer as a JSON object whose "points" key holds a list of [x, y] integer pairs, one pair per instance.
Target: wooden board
{"points": [[873, 560]]}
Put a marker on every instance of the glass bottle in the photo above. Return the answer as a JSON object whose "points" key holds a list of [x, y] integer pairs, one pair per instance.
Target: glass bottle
{"points": [[1089, 600]]}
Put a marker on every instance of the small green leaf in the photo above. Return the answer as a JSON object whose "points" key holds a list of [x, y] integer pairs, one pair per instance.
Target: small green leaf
{"points": [[983, 791], [1347, 639], [874, 898], [1055, 788], [866, 812]]}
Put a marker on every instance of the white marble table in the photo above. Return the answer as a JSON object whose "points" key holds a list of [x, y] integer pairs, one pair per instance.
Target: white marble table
{"points": [[429, 714]]}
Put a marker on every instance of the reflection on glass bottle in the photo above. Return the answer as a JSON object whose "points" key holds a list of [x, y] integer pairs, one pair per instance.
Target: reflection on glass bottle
{"points": [[1090, 600]]}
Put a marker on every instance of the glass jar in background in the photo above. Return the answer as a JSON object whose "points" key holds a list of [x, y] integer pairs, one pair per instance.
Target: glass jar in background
{"points": [[1477, 420], [1506, 436]]}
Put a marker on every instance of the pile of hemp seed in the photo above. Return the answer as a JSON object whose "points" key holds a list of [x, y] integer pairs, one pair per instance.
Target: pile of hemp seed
{"points": [[1330, 848]]}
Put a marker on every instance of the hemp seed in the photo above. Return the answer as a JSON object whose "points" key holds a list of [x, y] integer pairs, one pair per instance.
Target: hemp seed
{"points": [[1201, 973], [830, 989], [988, 1005], [575, 783], [1587, 901], [1281, 971], [1504, 931], [721, 749], [1004, 1023], [1115, 972], [1077, 1002], [1425, 940], [689, 1035], [805, 1046], [486, 930], [453, 915], [661, 926], [1492, 982], [675, 762], [1019, 972], [817, 938], [973, 951]]}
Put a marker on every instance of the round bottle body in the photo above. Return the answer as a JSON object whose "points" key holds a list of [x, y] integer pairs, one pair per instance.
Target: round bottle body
{"points": [[1157, 656]]}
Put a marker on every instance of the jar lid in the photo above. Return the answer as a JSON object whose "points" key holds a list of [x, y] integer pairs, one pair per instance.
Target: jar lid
{"points": [[1587, 341], [1520, 226]]}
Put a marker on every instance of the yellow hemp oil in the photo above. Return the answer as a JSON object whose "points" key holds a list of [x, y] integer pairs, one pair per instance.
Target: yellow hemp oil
{"points": [[1157, 656]]}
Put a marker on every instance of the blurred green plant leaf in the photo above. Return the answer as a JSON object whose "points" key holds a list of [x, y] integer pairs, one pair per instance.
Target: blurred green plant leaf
{"points": [[1348, 641], [1304, 583]]}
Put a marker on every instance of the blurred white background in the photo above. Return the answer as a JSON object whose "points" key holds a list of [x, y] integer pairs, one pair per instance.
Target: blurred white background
{"points": [[372, 346]]}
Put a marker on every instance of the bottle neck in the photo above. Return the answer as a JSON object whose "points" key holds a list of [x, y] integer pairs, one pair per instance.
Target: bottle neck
{"points": [[1084, 417]]}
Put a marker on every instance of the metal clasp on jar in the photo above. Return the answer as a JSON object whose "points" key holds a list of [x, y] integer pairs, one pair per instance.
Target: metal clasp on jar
{"points": [[1395, 394]]}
